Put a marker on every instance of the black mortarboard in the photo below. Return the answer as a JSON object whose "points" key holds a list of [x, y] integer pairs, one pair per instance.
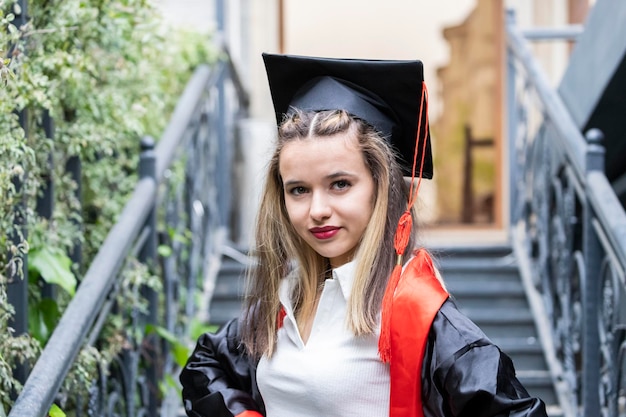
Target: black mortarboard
{"points": [[385, 93]]}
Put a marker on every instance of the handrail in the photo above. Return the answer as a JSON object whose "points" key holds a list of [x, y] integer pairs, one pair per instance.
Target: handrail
{"points": [[574, 145], [64, 344], [182, 116], [573, 142], [609, 212], [242, 91]]}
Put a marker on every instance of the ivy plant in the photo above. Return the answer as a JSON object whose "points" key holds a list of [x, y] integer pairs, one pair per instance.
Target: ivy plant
{"points": [[80, 81]]}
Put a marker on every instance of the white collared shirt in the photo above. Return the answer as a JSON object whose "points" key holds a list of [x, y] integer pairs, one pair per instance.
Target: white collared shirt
{"points": [[334, 373]]}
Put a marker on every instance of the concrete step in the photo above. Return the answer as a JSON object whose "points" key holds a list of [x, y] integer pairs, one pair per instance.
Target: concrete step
{"points": [[526, 352], [228, 291], [486, 286], [509, 295], [502, 322], [538, 383]]}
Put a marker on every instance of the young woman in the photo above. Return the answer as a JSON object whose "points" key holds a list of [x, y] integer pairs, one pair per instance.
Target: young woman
{"points": [[344, 315]]}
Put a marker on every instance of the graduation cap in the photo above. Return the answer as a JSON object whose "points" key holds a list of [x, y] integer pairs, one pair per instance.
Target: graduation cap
{"points": [[387, 94]]}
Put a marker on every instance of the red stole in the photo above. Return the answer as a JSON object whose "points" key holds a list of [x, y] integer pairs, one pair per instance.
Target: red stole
{"points": [[417, 298]]}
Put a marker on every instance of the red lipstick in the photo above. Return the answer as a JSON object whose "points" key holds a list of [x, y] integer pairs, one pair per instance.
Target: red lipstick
{"points": [[325, 232]]}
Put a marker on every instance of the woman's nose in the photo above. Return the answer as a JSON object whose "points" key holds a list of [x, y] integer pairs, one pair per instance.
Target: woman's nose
{"points": [[320, 208]]}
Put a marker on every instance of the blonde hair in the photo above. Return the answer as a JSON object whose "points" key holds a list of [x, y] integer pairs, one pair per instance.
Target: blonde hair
{"points": [[278, 247]]}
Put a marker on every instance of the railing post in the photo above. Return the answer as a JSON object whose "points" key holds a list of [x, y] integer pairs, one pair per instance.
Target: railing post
{"points": [[594, 160], [17, 285], [147, 255], [224, 148], [73, 166], [45, 201], [220, 14], [223, 161], [511, 114]]}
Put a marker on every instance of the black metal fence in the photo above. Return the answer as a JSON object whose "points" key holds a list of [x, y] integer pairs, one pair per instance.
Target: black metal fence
{"points": [[181, 203], [569, 234]]}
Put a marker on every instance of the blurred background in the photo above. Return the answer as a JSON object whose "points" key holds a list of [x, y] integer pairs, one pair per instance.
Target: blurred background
{"points": [[461, 45]]}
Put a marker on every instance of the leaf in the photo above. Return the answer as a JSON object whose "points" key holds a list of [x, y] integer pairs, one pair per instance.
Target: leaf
{"points": [[179, 351], [162, 332], [171, 382], [164, 251], [55, 411], [53, 267], [36, 326], [50, 314], [198, 328], [42, 319]]}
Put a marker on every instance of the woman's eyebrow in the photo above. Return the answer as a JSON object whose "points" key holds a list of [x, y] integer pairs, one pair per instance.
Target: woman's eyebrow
{"points": [[292, 182], [334, 175], [340, 174]]}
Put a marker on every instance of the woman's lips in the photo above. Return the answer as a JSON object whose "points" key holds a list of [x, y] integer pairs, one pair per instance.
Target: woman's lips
{"points": [[323, 233]]}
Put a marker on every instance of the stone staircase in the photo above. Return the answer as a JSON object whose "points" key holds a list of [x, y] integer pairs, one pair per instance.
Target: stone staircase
{"points": [[486, 286], [228, 291]]}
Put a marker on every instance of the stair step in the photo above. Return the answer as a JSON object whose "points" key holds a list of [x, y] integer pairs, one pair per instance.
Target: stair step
{"points": [[486, 251], [221, 311], [499, 315], [554, 410], [229, 287], [487, 289], [538, 384], [502, 322], [485, 275], [525, 352], [503, 295], [231, 267]]}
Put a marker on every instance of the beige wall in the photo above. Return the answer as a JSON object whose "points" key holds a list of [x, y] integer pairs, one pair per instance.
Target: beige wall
{"points": [[377, 29]]}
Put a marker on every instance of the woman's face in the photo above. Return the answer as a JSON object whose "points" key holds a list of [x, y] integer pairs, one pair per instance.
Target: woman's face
{"points": [[329, 193]]}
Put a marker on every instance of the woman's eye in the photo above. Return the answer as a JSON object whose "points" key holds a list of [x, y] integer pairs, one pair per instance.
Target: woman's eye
{"points": [[297, 190], [341, 184]]}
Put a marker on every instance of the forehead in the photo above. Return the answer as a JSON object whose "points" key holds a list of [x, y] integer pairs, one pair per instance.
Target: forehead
{"points": [[321, 155]]}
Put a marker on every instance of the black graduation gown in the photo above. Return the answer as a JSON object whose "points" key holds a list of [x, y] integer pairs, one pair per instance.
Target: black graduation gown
{"points": [[463, 374]]}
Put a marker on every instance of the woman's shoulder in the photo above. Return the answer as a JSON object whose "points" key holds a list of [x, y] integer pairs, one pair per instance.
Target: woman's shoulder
{"points": [[452, 331]]}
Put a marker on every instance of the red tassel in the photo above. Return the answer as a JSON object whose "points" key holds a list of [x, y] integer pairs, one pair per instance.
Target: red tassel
{"points": [[384, 341], [400, 242], [403, 232]]}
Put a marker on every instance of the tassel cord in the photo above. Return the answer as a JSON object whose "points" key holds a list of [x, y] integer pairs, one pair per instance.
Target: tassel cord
{"points": [[402, 236]]}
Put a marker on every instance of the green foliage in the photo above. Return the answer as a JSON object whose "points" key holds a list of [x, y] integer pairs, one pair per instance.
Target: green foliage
{"points": [[107, 73], [55, 411], [14, 350], [53, 266], [179, 349]]}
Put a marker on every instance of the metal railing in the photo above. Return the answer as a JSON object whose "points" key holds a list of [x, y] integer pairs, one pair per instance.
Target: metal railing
{"points": [[569, 235], [182, 202]]}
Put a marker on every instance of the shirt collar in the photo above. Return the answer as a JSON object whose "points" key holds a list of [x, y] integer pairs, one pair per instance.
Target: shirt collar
{"points": [[345, 276]]}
